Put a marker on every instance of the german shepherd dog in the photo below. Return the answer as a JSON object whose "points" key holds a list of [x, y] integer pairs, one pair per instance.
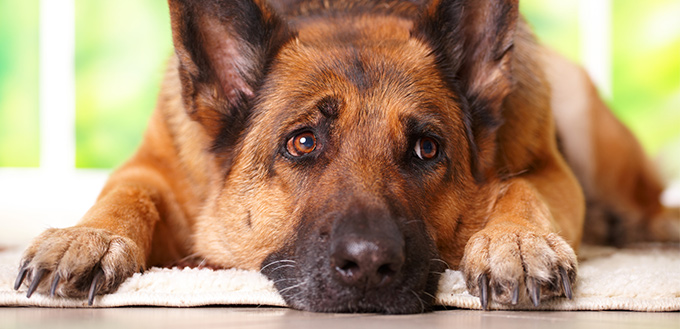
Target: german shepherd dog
{"points": [[353, 150]]}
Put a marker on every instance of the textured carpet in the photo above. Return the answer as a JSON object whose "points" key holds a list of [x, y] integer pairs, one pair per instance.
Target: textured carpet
{"points": [[643, 278]]}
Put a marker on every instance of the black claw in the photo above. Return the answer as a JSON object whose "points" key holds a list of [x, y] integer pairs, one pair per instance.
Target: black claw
{"points": [[22, 275], [515, 294], [93, 286], [566, 284], [55, 283], [484, 291], [534, 291], [35, 283]]}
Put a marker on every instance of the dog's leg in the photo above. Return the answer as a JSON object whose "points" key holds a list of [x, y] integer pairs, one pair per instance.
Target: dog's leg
{"points": [[110, 244], [114, 238], [621, 185], [526, 249]]}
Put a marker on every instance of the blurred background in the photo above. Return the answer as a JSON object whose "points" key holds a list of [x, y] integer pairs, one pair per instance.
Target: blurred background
{"points": [[79, 78]]}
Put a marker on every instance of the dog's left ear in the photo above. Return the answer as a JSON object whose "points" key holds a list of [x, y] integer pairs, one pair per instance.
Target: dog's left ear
{"points": [[224, 48], [473, 42]]}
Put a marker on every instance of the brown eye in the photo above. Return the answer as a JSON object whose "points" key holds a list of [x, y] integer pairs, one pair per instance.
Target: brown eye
{"points": [[301, 144], [426, 148]]}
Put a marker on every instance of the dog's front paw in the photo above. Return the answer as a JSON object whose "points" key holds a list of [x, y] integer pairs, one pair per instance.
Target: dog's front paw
{"points": [[509, 265], [78, 262]]}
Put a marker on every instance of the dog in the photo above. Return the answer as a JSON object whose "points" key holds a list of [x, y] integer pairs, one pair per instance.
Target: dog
{"points": [[351, 151]]}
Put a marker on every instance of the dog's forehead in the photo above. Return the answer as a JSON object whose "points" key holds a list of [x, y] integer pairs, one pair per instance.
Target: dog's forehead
{"points": [[371, 64]]}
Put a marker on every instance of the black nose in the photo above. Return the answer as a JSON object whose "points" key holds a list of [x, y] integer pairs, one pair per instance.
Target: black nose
{"points": [[367, 260]]}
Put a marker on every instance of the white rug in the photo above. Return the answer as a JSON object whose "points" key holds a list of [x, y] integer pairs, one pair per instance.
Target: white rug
{"points": [[645, 278]]}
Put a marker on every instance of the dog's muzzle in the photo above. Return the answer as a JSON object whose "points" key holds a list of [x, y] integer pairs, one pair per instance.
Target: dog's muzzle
{"points": [[359, 260]]}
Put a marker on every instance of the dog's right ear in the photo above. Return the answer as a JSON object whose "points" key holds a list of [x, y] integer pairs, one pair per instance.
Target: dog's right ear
{"points": [[224, 48]]}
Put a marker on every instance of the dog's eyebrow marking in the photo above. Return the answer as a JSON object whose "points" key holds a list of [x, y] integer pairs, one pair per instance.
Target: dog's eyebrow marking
{"points": [[249, 221], [329, 106], [417, 124]]}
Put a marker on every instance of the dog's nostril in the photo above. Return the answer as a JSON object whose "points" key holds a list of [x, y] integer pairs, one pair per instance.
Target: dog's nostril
{"points": [[348, 269], [386, 270]]}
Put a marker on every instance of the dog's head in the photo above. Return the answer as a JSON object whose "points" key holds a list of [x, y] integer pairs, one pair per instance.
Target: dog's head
{"points": [[352, 137]]}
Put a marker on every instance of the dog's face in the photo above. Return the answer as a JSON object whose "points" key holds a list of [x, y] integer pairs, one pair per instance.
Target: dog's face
{"points": [[348, 152], [364, 141]]}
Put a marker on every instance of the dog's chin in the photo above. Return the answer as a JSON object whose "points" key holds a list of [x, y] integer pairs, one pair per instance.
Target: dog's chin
{"points": [[394, 300]]}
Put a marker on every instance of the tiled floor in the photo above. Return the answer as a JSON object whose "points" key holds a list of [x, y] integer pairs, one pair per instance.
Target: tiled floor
{"points": [[285, 318]]}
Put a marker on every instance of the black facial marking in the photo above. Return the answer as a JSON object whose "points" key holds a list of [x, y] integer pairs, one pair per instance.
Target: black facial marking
{"points": [[356, 73], [329, 106], [232, 126]]}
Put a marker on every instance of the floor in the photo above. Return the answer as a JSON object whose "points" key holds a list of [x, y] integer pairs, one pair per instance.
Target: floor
{"points": [[234, 317]]}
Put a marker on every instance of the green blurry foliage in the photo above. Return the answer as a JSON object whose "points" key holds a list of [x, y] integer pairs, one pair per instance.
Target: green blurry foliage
{"points": [[646, 82], [121, 50], [19, 125], [555, 23]]}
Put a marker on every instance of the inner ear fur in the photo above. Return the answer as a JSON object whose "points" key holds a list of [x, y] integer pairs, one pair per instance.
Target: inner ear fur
{"points": [[224, 48], [473, 41]]}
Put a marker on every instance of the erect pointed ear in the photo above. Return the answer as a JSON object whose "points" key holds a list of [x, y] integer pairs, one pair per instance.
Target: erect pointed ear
{"points": [[473, 42], [224, 48]]}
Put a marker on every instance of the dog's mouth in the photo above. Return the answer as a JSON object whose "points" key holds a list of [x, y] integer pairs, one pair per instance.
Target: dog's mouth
{"points": [[368, 268]]}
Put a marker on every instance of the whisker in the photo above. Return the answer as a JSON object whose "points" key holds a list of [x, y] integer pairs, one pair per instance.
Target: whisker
{"points": [[429, 294], [282, 266], [286, 279], [441, 261], [422, 304], [188, 257], [276, 262], [283, 291], [295, 295]]}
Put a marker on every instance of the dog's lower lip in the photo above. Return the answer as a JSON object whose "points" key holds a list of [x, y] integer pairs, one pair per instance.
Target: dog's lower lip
{"points": [[396, 297]]}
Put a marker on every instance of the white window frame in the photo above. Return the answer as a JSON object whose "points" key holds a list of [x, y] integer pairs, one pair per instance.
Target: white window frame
{"points": [[595, 32]]}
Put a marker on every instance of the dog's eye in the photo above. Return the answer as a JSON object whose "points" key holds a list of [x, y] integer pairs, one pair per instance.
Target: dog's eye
{"points": [[301, 144], [426, 148]]}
